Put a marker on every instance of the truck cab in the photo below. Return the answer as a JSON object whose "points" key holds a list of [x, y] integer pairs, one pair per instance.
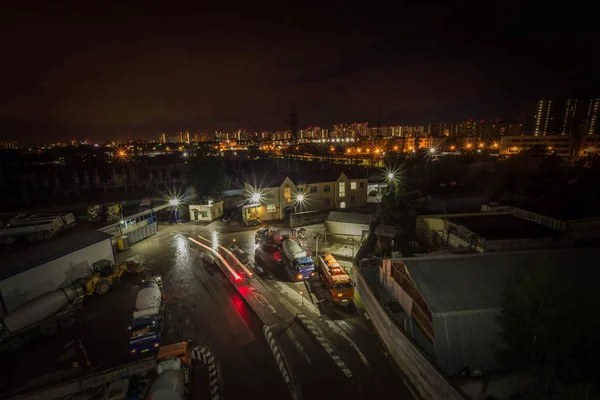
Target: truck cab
{"points": [[145, 335], [305, 267]]}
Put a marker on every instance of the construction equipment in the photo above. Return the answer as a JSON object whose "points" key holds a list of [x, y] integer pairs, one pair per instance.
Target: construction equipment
{"points": [[298, 263], [42, 315], [35, 227], [104, 273], [146, 327], [337, 281]]}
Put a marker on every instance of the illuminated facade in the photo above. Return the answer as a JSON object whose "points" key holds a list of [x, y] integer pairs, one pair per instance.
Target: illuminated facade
{"points": [[329, 192]]}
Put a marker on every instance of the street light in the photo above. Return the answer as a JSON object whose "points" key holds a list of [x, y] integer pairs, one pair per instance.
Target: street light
{"points": [[256, 196], [174, 202]]}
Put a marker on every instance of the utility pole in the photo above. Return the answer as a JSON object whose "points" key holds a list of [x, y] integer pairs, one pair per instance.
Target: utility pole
{"points": [[294, 124], [378, 121]]}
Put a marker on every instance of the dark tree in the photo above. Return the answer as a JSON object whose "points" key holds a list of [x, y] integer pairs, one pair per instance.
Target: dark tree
{"points": [[550, 327], [207, 175]]}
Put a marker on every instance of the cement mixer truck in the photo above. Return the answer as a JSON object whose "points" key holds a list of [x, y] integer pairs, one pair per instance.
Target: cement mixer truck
{"points": [[297, 262], [173, 373], [40, 316], [146, 325]]}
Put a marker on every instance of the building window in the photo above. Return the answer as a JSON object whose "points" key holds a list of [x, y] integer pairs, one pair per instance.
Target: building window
{"points": [[352, 185], [313, 189], [271, 208], [343, 204], [270, 194], [342, 189], [326, 202], [327, 189], [352, 199], [204, 214], [287, 194], [361, 185]]}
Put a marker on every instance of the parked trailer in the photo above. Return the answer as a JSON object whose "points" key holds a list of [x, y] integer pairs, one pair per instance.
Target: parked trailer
{"points": [[42, 315], [35, 227]]}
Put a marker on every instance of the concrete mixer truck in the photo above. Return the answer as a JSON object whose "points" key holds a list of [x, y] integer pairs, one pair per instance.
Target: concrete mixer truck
{"points": [[298, 263], [146, 325], [40, 316], [173, 365]]}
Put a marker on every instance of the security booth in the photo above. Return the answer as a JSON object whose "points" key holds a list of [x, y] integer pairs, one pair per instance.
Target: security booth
{"points": [[206, 212], [251, 214]]}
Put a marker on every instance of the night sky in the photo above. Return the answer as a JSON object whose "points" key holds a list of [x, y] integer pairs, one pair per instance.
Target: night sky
{"points": [[120, 71]]}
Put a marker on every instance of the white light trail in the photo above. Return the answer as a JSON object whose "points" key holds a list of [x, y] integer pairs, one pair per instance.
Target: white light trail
{"points": [[235, 275]]}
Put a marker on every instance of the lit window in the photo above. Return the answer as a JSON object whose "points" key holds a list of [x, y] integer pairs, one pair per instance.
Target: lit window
{"points": [[343, 204], [313, 189], [287, 194], [352, 185], [271, 208], [342, 189]]}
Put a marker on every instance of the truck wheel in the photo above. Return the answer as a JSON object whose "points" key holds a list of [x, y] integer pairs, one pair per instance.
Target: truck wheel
{"points": [[15, 344], [49, 330], [102, 286], [67, 321]]}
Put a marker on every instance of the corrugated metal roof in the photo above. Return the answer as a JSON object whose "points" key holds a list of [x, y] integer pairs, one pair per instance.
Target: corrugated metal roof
{"points": [[476, 281], [35, 255], [467, 338], [464, 294], [349, 217]]}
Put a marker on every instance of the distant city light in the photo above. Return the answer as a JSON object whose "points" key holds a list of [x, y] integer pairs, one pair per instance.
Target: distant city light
{"points": [[185, 154]]}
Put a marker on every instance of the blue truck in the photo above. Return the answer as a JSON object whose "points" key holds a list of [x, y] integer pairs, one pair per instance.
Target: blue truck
{"points": [[146, 326], [297, 262]]}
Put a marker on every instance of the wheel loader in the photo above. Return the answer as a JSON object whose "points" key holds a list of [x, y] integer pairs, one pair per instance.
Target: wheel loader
{"points": [[104, 273]]}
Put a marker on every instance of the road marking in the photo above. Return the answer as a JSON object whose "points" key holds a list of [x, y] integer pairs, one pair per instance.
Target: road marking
{"points": [[296, 342], [318, 334], [206, 356], [343, 334], [281, 362]]}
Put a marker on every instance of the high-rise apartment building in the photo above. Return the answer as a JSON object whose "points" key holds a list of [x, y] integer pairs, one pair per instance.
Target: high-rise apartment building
{"points": [[565, 117], [360, 130]]}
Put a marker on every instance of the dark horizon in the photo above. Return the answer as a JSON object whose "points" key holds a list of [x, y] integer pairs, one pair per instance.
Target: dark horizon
{"points": [[125, 71]]}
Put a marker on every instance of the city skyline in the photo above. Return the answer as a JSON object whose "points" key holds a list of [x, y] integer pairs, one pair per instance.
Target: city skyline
{"points": [[135, 71]]}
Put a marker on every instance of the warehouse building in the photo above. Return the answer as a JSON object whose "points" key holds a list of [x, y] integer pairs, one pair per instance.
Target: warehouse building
{"points": [[32, 271], [348, 224], [449, 304]]}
